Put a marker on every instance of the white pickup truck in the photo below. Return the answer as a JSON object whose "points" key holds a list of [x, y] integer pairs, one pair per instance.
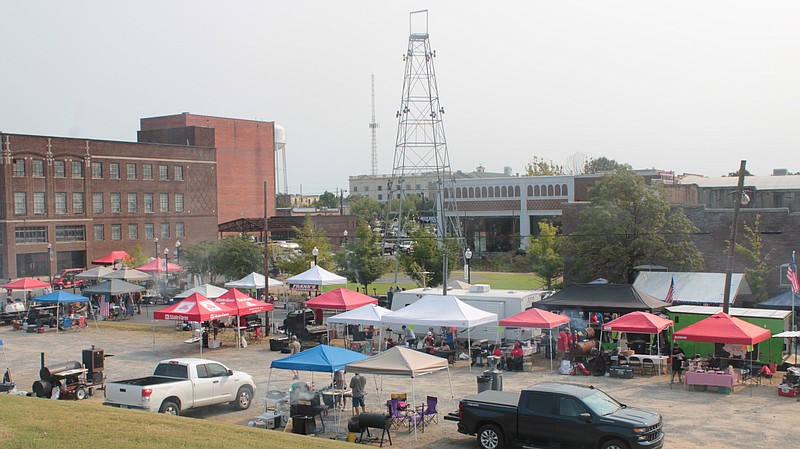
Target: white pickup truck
{"points": [[181, 384]]}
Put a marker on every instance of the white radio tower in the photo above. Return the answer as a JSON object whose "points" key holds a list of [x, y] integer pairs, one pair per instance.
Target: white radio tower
{"points": [[374, 127]]}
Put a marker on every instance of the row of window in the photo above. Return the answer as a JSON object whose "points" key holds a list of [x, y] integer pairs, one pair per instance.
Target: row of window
{"points": [[64, 234], [380, 188], [114, 170], [98, 203], [510, 191]]}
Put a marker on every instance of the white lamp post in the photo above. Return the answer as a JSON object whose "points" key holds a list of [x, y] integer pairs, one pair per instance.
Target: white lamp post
{"points": [[468, 257]]}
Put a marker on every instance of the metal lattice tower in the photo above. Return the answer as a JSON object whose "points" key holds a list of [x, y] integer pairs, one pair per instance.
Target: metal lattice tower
{"points": [[421, 147], [373, 126]]}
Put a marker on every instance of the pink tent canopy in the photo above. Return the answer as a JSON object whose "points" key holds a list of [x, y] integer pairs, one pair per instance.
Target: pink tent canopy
{"points": [[111, 258], [157, 266], [194, 308], [340, 299], [535, 318], [26, 284], [723, 328], [638, 322], [242, 303]]}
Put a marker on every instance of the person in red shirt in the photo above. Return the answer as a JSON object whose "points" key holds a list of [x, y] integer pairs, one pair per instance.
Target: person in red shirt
{"points": [[501, 363], [515, 364], [562, 344]]}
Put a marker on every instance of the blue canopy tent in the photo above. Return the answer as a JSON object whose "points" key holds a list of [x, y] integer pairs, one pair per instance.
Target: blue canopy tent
{"points": [[63, 297]]}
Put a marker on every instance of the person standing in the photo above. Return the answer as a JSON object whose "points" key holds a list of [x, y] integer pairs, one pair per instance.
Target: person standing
{"points": [[410, 337], [678, 357], [358, 387], [339, 384], [294, 348]]}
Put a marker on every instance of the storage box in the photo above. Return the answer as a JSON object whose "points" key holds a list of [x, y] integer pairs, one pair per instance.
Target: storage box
{"points": [[620, 372], [724, 390], [268, 421], [786, 390]]}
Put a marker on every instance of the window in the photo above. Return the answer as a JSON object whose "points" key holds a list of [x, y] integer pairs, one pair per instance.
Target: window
{"points": [[77, 202], [116, 232], [59, 169], [164, 230], [179, 229], [39, 207], [131, 168], [20, 203], [355, 189], [99, 232], [61, 202], [380, 188], [116, 203], [19, 167], [570, 407], [97, 202], [133, 207], [37, 167], [163, 202], [30, 234], [70, 233], [163, 173], [97, 170], [178, 169], [178, 202], [133, 231], [77, 169], [417, 186], [113, 170], [380, 196], [541, 403], [366, 188], [147, 172], [148, 203], [149, 231]]}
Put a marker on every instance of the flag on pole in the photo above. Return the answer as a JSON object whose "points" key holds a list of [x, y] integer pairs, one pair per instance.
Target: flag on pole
{"points": [[791, 274], [670, 292]]}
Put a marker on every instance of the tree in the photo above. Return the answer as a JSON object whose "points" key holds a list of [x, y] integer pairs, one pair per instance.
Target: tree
{"points": [[202, 259], [427, 256], [544, 253], [757, 258], [735, 174], [603, 164], [361, 261], [575, 163], [364, 207], [239, 256], [629, 223], [136, 257], [308, 238], [327, 201], [540, 167]]}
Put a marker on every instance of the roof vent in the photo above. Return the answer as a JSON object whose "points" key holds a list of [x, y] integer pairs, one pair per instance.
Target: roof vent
{"points": [[780, 172], [479, 288]]}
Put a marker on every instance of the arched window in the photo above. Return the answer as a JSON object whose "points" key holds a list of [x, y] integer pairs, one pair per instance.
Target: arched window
{"points": [[536, 191], [550, 190], [477, 192], [516, 191], [497, 191], [504, 191], [483, 192], [471, 192], [446, 194], [544, 190], [491, 192], [558, 190], [530, 190], [458, 192], [564, 190]]}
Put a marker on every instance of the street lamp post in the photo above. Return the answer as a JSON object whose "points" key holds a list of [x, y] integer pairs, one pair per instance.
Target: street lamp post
{"points": [[468, 257], [50, 263], [166, 266], [178, 252], [344, 235], [315, 253]]}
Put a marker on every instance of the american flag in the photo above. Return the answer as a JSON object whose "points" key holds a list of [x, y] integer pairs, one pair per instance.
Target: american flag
{"points": [[671, 291], [791, 274]]}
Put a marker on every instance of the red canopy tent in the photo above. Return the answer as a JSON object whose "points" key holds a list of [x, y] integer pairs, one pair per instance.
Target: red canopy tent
{"points": [[638, 322], [537, 319], [111, 258], [194, 308], [340, 299], [723, 328], [26, 284], [243, 303], [157, 266]]}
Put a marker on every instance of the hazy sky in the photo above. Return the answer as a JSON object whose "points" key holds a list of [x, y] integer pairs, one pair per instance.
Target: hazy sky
{"points": [[684, 85]]}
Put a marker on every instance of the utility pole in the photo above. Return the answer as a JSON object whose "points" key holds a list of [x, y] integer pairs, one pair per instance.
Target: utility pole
{"points": [[738, 198]]}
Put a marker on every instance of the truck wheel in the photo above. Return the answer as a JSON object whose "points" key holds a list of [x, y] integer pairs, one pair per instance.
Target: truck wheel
{"points": [[80, 394], [170, 408], [490, 437], [244, 397], [614, 444]]}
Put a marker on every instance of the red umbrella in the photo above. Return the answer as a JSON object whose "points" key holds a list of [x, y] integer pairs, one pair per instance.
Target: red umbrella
{"points": [[26, 284], [242, 303], [111, 258], [340, 299], [638, 322], [535, 318], [194, 308], [157, 266], [723, 328]]}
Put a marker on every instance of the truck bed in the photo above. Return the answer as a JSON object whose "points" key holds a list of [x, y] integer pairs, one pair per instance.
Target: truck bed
{"points": [[147, 381], [501, 398]]}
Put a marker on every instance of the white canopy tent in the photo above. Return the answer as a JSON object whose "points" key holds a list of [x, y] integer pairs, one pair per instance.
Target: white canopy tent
{"points": [[317, 276], [253, 280], [207, 290], [369, 314]]}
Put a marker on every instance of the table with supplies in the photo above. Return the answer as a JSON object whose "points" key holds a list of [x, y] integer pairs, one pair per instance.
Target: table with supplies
{"points": [[711, 379], [660, 361]]}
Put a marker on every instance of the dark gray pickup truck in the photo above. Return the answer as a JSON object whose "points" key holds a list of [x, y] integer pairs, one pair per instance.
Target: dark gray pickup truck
{"points": [[557, 414]]}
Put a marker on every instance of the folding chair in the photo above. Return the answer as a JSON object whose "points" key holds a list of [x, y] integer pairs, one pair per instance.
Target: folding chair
{"points": [[636, 364], [66, 324], [648, 367], [81, 323], [431, 412], [398, 418]]}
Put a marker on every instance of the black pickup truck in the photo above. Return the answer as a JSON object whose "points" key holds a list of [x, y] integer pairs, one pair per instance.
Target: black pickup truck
{"points": [[557, 414]]}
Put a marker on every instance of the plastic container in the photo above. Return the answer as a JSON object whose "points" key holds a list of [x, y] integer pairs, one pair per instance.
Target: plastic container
{"points": [[484, 383]]}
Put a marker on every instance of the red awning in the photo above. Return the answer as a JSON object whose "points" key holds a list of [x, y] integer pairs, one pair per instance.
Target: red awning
{"points": [[111, 258], [340, 299], [26, 284], [723, 328], [157, 266], [194, 308], [242, 303], [638, 322], [535, 318]]}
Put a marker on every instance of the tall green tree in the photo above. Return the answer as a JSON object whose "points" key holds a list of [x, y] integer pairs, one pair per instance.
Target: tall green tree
{"points": [[428, 256], [202, 259], [544, 253], [327, 201], [365, 208], [540, 167], [603, 164], [629, 223], [308, 238], [361, 260], [239, 256], [136, 257], [757, 258]]}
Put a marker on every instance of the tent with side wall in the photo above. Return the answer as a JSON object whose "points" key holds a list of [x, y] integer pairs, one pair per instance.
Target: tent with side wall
{"points": [[640, 323], [537, 319], [401, 361]]}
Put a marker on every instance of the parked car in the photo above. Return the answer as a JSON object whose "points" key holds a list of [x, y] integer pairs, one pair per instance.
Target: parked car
{"points": [[67, 279], [181, 384], [557, 414]]}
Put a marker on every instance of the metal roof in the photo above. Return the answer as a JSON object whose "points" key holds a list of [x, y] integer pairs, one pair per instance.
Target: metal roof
{"points": [[759, 182], [734, 311], [691, 288]]}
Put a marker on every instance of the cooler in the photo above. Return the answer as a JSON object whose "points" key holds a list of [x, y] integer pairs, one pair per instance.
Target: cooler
{"points": [[620, 372]]}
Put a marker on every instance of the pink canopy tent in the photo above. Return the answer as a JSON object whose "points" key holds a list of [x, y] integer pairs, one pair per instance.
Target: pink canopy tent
{"points": [[26, 284], [638, 322], [111, 258], [194, 308], [243, 303], [340, 299], [537, 319], [723, 328], [157, 266]]}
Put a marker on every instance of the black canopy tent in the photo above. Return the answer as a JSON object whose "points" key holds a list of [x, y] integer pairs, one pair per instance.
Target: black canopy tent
{"points": [[603, 298]]}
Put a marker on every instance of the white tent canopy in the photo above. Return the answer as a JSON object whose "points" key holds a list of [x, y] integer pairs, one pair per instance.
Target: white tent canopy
{"points": [[691, 288], [207, 290], [317, 276], [440, 310], [252, 280], [368, 314]]}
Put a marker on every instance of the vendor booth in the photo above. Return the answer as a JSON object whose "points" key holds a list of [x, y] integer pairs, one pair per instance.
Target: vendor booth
{"points": [[367, 315], [641, 323], [60, 298], [196, 308], [537, 319], [604, 298], [244, 305]]}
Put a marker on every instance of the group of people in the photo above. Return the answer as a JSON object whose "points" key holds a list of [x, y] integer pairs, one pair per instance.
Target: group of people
{"points": [[514, 360]]}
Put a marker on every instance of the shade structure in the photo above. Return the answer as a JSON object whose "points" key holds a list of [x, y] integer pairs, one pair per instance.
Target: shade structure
{"points": [[316, 275], [157, 266], [26, 284], [322, 358], [723, 328], [638, 322], [399, 361], [535, 318], [127, 274], [114, 287], [368, 314], [111, 258], [440, 310], [194, 308], [207, 290], [94, 273], [782, 301], [612, 298], [60, 297], [340, 299], [242, 303], [253, 280]]}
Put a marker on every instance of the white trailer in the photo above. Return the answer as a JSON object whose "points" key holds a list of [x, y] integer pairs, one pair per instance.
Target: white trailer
{"points": [[504, 303]]}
